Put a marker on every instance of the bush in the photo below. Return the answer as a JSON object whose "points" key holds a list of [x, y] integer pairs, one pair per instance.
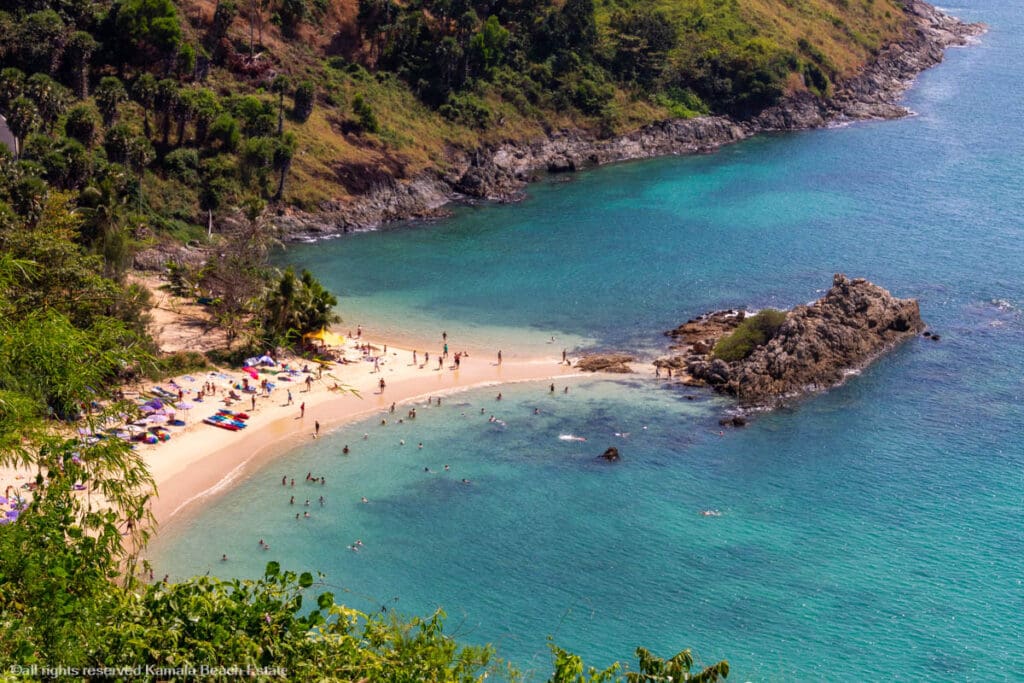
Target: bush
{"points": [[305, 94], [467, 109], [755, 331], [183, 164], [367, 119]]}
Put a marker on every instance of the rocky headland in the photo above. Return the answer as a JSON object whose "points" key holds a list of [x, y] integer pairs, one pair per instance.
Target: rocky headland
{"points": [[814, 347], [501, 172]]}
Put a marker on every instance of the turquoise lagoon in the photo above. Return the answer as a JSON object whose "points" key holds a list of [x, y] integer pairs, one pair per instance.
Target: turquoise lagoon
{"points": [[873, 532]]}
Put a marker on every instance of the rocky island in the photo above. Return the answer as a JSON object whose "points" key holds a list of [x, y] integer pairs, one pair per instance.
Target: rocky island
{"points": [[773, 355]]}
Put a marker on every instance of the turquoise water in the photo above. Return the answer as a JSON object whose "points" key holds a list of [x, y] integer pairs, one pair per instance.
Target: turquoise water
{"points": [[876, 531]]}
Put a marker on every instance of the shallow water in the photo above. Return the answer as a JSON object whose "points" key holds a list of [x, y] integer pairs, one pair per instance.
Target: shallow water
{"points": [[876, 531]]}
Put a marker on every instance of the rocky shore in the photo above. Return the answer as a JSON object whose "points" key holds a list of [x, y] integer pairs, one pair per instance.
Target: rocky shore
{"points": [[815, 347], [501, 172]]}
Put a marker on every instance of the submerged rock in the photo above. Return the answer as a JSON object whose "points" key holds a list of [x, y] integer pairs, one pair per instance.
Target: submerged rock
{"points": [[611, 454], [814, 348]]}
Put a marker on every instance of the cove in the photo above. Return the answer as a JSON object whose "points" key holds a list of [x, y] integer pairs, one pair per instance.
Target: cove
{"points": [[876, 531]]}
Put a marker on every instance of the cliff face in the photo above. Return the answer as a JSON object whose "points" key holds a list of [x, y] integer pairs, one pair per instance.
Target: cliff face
{"points": [[813, 349], [501, 172]]}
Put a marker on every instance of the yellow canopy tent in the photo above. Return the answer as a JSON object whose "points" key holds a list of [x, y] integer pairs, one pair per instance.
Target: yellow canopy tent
{"points": [[328, 338]]}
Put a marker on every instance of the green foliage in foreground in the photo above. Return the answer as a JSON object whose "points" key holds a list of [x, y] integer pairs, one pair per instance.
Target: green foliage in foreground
{"points": [[755, 331]]}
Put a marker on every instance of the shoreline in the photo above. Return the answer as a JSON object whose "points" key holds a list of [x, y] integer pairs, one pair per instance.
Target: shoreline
{"points": [[203, 461], [502, 172]]}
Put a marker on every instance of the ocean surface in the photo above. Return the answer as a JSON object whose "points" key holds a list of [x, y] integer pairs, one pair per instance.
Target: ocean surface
{"points": [[875, 532]]}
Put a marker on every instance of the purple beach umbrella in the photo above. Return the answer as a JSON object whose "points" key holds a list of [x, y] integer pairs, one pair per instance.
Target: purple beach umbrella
{"points": [[12, 514]]}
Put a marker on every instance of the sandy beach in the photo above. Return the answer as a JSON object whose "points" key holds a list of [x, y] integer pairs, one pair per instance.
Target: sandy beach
{"points": [[201, 460]]}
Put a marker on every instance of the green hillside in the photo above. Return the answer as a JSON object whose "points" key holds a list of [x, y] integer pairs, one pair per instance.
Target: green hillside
{"points": [[298, 101]]}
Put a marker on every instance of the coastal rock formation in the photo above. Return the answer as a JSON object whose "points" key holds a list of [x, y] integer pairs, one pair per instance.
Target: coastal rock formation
{"points": [[812, 349], [605, 362], [501, 172]]}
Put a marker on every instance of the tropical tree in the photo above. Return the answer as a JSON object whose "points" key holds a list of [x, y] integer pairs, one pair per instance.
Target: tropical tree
{"points": [[205, 109], [22, 118], [184, 111], [284, 152], [82, 125], [144, 93], [12, 85], [281, 85], [77, 55], [110, 93], [50, 97], [41, 39], [150, 28], [165, 100]]}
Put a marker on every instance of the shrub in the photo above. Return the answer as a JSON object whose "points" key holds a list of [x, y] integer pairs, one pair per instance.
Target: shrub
{"points": [[183, 164], [755, 331], [367, 119], [304, 97]]}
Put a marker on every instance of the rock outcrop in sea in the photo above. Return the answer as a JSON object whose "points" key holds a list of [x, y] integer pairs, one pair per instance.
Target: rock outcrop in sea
{"points": [[502, 171], [814, 348]]}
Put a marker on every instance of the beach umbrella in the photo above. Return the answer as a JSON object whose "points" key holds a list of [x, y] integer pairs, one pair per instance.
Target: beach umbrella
{"points": [[12, 514], [147, 409], [157, 419], [3, 500], [187, 407]]}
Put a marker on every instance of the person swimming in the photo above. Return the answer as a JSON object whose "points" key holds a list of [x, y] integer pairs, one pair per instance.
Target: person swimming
{"points": [[710, 513], [363, 500]]}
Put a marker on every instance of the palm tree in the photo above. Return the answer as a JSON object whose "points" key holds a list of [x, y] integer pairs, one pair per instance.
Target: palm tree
{"points": [[110, 93], [284, 152], [22, 119], [281, 85], [144, 92], [79, 51], [165, 99]]}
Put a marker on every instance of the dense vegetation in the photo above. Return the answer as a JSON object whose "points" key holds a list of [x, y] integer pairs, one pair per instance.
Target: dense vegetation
{"points": [[757, 330], [201, 105]]}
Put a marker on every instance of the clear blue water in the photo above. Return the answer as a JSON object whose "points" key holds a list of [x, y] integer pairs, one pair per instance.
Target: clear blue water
{"points": [[876, 531]]}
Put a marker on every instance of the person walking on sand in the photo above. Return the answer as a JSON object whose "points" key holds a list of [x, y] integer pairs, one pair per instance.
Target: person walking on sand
{"points": [[253, 402], [446, 349], [499, 356], [444, 336], [414, 358], [563, 357], [316, 429], [289, 398], [392, 408], [382, 385], [302, 410]]}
